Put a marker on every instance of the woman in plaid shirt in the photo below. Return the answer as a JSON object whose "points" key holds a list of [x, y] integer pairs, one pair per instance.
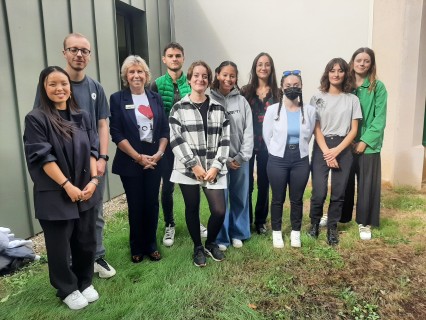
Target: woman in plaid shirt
{"points": [[199, 137]]}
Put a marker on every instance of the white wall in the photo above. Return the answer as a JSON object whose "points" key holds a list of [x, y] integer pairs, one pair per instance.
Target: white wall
{"points": [[301, 34]]}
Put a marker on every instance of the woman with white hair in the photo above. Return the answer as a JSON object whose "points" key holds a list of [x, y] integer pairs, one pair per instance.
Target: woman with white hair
{"points": [[140, 130]]}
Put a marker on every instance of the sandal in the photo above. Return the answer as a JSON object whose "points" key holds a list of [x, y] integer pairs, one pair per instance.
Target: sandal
{"points": [[137, 258], [154, 256]]}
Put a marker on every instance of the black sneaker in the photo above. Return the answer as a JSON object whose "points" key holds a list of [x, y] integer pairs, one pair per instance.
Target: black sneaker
{"points": [[314, 230], [332, 236], [261, 229], [214, 252], [199, 257]]}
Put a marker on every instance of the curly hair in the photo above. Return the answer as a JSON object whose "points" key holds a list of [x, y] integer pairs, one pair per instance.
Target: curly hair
{"points": [[347, 85]]}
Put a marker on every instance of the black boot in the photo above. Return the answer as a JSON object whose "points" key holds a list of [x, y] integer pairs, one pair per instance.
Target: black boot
{"points": [[314, 230], [332, 236]]}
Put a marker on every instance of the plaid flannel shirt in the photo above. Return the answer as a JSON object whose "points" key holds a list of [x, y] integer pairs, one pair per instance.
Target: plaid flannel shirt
{"points": [[187, 138]]}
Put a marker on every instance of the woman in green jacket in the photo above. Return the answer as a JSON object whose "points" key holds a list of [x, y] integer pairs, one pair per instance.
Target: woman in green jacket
{"points": [[367, 146]]}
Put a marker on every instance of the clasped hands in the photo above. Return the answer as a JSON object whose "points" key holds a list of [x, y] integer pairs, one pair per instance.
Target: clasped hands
{"points": [[76, 194], [147, 161], [330, 158], [203, 175]]}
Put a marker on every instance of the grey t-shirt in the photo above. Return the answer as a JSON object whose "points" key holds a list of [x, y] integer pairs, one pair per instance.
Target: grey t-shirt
{"points": [[336, 112]]}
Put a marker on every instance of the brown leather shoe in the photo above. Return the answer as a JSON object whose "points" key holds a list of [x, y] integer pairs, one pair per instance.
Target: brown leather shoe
{"points": [[154, 256], [137, 258]]}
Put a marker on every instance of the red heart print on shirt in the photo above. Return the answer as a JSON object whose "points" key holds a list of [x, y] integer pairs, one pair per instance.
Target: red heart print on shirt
{"points": [[146, 111]]}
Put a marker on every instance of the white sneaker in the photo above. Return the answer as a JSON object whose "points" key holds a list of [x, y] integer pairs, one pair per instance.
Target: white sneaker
{"points": [[169, 236], [203, 231], [222, 247], [90, 294], [295, 239], [237, 243], [323, 221], [104, 268], [277, 239], [364, 232], [76, 300]]}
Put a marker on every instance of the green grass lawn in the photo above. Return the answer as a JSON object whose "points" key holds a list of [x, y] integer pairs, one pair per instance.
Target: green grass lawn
{"points": [[380, 279]]}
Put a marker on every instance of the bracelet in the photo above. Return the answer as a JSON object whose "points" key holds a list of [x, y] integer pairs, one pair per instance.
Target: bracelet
{"points": [[64, 183], [91, 181], [96, 177]]}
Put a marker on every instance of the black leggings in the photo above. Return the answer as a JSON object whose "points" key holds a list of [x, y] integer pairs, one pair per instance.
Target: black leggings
{"points": [[216, 200]]}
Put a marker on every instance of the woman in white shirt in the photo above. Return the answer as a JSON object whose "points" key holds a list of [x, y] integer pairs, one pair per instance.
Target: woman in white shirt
{"points": [[287, 129]]}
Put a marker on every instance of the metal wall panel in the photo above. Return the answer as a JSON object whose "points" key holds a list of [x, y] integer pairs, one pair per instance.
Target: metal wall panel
{"points": [[153, 37], [31, 36], [109, 73], [164, 28]]}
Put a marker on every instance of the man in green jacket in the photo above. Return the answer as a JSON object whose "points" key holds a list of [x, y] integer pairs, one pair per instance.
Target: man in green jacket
{"points": [[172, 86]]}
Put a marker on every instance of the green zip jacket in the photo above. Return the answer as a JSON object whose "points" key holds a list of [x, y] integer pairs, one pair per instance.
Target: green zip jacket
{"points": [[166, 89], [373, 105]]}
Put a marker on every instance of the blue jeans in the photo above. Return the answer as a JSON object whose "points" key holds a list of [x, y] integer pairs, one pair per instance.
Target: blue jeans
{"points": [[237, 218]]}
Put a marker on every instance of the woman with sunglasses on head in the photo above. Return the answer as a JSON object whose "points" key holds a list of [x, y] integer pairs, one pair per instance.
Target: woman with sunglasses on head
{"points": [[199, 138], [236, 226], [337, 114], [287, 130], [261, 92], [366, 166]]}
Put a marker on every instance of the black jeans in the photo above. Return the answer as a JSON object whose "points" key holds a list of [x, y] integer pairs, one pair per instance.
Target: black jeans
{"points": [[216, 200], [261, 208], [294, 172], [168, 187], [339, 180]]}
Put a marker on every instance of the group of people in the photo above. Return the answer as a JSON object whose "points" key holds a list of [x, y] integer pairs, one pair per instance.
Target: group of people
{"points": [[173, 130]]}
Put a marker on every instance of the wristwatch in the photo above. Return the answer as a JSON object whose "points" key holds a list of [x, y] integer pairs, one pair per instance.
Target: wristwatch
{"points": [[104, 156]]}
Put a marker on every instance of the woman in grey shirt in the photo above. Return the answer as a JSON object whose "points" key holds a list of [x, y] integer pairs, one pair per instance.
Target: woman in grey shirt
{"points": [[337, 115]]}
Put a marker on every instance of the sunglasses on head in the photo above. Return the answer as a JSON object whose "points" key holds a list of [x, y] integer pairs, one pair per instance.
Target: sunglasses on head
{"points": [[292, 72]]}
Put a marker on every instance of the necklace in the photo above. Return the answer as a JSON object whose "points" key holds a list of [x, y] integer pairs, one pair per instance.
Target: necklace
{"points": [[198, 105], [262, 92]]}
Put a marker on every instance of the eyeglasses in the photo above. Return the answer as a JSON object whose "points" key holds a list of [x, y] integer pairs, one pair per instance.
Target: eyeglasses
{"points": [[292, 72], [74, 51]]}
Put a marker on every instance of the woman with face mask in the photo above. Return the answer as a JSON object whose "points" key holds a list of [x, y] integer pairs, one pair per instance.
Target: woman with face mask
{"points": [[366, 149], [287, 129], [337, 114]]}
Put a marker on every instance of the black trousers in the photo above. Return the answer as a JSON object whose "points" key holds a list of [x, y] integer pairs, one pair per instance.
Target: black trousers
{"points": [[70, 239], [294, 172], [262, 201], [367, 169], [168, 187], [217, 206], [142, 201], [339, 180]]}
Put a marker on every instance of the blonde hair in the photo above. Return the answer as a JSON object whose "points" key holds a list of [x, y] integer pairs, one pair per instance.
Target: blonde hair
{"points": [[131, 61]]}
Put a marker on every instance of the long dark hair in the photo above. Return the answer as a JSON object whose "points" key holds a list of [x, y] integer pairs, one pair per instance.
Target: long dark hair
{"points": [[250, 89], [371, 72], [216, 84], [61, 126], [282, 95], [348, 81]]}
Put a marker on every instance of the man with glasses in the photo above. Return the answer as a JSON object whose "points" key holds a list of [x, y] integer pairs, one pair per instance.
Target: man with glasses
{"points": [[91, 97]]}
